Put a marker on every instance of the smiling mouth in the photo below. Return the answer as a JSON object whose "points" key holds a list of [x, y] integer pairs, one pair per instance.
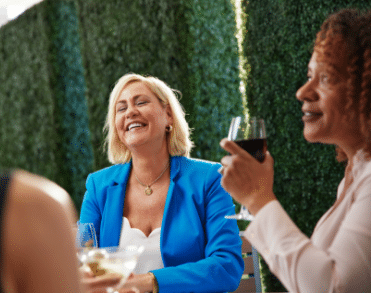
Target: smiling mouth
{"points": [[310, 116], [134, 126]]}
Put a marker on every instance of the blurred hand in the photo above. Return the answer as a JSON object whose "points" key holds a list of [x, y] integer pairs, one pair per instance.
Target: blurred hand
{"points": [[138, 283], [97, 284], [247, 180], [134, 284]]}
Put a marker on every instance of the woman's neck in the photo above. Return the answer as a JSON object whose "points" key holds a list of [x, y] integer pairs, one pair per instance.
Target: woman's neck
{"points": [[351, 149], [149, 165]]}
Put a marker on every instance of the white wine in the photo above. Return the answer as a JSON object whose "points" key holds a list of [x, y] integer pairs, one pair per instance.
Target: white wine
{"points": [[113, 265], [113, 261]]}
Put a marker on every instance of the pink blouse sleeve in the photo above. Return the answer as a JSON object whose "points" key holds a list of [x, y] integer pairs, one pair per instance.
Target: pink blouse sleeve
{"points": [[301, 265]]}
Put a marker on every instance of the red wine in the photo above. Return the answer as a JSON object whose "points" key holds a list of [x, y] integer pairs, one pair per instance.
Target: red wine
{"points": [[255, 147]]}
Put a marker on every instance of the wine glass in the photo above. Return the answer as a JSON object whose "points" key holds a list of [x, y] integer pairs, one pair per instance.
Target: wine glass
{"points": [[249, 133], [86, 239], [118, 261]]}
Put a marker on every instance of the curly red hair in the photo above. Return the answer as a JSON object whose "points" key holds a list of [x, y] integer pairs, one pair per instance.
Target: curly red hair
{"points": [[351, 29]]}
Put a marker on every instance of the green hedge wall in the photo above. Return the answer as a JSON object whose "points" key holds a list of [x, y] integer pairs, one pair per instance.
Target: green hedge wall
{"points": [[278, 49], [44, 120], [209, 27], [29, 137], [69, 90]]}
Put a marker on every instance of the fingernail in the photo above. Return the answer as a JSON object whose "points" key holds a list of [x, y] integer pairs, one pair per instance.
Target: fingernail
{"points": [[220, 170]]}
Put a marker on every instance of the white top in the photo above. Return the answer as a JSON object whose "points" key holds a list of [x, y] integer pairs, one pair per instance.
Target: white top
{"points": [[337, 257], [151, 258]]}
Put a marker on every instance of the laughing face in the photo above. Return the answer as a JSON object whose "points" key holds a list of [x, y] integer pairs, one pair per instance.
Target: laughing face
{"points": [[140, 117], [324, 97]]}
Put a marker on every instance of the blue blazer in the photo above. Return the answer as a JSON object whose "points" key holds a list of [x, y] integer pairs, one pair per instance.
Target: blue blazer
{"points": [[200, 249]]}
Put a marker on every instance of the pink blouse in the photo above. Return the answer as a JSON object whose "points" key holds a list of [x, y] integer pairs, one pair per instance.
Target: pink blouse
{"points": [[337, 257]]}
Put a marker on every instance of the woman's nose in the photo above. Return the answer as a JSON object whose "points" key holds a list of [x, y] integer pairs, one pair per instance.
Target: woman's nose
{"points": [[131, 111], [307, 92]]}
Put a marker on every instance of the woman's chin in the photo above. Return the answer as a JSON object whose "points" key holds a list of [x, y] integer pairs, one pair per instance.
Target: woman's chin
{"points": [[311, 137], [315, 138]]}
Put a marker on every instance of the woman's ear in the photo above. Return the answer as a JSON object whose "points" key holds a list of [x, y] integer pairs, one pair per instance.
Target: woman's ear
{"points": [[169, 114]]}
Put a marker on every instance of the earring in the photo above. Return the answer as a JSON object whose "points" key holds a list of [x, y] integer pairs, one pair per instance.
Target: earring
{"points": [[169, 128]]}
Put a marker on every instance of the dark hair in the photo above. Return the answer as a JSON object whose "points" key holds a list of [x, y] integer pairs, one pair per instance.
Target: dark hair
{"points": [[351, 28]]}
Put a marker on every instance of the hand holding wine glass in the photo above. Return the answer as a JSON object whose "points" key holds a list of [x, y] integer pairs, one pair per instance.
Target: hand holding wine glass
{"points": [[244, 175], [114, 265]]}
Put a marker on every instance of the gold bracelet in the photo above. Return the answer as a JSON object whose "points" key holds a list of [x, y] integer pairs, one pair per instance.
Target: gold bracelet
{"points": [[155, 284]]}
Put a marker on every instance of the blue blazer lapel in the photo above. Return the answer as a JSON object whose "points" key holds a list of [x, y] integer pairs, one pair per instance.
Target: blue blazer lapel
{"points": [[114, 208], [170, 209]]}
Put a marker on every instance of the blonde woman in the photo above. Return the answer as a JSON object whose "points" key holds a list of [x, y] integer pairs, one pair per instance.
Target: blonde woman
{"points": [[155, 195]]}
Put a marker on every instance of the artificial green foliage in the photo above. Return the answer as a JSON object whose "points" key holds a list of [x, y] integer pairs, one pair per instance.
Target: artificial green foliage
{"points": [[44, 125], [208, 31], [28, 139], [278, 49], [69, 89], [188, 44]]}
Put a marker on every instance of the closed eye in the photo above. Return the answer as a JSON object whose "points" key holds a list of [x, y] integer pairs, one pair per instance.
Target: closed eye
{"points": [[120, 107], [140, 103]]}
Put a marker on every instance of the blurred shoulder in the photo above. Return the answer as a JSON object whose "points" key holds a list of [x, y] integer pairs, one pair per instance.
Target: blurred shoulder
{"points": [[38, 196], [36, 208], [38, 223]]}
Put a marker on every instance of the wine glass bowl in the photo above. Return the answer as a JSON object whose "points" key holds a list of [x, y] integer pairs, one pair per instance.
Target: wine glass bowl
{"points": [[250, 134], [86, 239], [116, 261]]}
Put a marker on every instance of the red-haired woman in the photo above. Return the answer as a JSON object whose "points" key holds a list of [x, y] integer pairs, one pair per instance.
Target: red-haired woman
{"points": [[336, 110]]}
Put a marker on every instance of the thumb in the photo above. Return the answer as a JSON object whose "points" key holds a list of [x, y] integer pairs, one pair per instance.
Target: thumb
{"points": [[268, 160]]}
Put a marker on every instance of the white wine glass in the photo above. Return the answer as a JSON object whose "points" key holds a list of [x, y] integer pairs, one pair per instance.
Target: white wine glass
{"points": [[86, 239], [116, 261], [249, 133]]}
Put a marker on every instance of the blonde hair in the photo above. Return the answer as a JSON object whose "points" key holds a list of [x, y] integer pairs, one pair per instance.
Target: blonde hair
{"points": [[179, 142]]}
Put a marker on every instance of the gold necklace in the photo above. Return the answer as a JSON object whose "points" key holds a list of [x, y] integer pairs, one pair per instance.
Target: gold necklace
{"points": [[148, 190]]}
